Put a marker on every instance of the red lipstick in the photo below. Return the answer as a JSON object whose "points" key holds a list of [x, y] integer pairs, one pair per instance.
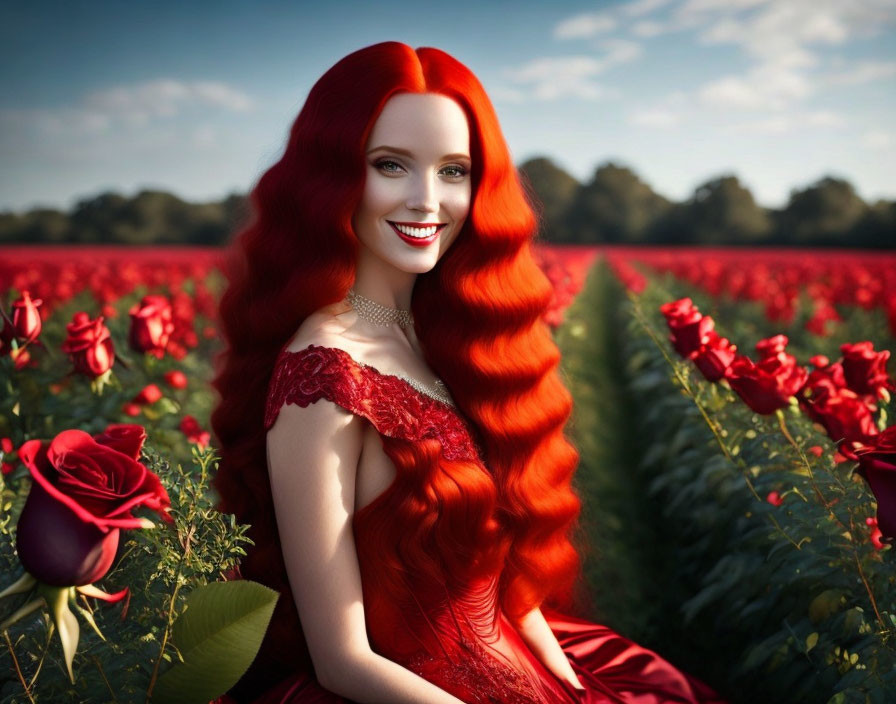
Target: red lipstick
{"points": [[417, 241]]}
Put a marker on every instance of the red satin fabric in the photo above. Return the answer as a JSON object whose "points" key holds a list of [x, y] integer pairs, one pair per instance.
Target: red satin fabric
{"points": [[456, 638]]}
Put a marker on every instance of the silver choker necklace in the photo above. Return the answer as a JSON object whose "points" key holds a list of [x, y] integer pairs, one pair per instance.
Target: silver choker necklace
{"points": [[378, 314]]}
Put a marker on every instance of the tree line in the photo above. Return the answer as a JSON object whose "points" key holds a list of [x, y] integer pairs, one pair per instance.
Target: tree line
{"points": [[615, 207]]}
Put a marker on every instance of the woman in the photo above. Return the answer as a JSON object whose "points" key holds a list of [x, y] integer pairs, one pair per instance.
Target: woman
{"points": [[391, 419]]}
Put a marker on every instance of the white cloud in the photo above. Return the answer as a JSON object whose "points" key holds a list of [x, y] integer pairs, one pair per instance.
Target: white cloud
{"points": [[584, 26], [637, 8], [656, 117], [647, 29], [668, 112], [863, 72], [767, 87], [878, 139], [789, 122], [163, 98], [130, 106], [551, 78], [569, 76]]}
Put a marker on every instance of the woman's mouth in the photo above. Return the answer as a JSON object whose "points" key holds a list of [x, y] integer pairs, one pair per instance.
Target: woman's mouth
{"points": [[417, 234]]}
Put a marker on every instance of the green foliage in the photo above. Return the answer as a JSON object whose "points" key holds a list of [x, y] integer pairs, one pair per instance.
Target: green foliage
{"points": [[161, 567], [616, 532], [218, 636], [787, 603]]}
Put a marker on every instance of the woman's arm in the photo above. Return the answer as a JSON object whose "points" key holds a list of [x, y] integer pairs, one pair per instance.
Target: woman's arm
{"points": [[541, 640], [313, 456]]}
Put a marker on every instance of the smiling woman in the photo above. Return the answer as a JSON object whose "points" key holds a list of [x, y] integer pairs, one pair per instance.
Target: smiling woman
{"points": [[391, 417], [417, 191]]}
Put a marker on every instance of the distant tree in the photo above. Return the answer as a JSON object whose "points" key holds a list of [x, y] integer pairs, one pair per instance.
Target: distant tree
{"points": [[821, 214], [615, 206], [721, 211], [553, 190], [876, 228], [99, 219]]}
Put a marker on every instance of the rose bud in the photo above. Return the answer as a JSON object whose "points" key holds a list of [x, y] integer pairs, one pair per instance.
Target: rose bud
{"points": [[84, 489], [150, 394], [151, 325], [876, 535], [26, 321], [877, 465], [89, 345], [176, 379]]}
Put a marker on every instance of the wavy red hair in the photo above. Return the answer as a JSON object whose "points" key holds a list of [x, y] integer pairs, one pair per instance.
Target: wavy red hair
{"points": [[298, 254]]}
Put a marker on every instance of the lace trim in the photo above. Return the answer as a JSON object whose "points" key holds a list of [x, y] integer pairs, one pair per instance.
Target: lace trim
{"points": [[393, 404]]}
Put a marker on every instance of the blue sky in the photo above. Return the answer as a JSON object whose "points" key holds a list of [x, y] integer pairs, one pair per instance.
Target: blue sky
{"points": [[197, 98]]}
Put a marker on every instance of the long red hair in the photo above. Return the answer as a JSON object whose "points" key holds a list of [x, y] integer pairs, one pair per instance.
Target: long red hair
{"points": [[478, 317]]}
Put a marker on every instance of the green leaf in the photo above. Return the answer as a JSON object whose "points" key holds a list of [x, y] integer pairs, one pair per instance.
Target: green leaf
{"points": [[218, 636]]}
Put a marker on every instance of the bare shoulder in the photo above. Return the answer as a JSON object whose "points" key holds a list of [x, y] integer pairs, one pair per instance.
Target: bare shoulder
{"points": [[326, 327]]}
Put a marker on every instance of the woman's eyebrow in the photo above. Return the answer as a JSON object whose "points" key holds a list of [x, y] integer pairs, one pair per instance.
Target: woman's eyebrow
{"points": [[405, 152]]}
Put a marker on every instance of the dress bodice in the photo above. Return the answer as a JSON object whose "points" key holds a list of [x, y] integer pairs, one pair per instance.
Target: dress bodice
{"points": [[430, 548]]}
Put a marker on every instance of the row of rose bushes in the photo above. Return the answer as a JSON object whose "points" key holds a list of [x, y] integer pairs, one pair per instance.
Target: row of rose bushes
{"points": [[773, 561], [786, 282], [190, 277]]}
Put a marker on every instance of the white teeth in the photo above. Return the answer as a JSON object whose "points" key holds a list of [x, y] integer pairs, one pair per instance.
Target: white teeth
{"points": [[421, 232]]}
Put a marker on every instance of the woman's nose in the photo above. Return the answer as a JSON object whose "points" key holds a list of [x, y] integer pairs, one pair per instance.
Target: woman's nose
{"points": [[424, 196]]}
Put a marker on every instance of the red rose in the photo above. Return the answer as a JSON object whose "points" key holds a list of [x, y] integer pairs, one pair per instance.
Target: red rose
{"points": [[864, 369], [189, 426], [690, 329], [82, 494], [151, 325], [842, 412], [89, 344], [772, 346], [715, 356], [877, 464], [768, 385], [26, 321], [176, 379]]}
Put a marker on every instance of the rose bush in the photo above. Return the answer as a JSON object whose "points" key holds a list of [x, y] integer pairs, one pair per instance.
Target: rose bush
{"points": [[84, 490]]}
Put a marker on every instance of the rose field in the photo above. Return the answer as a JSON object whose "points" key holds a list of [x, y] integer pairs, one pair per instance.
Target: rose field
{"points": [[732, 409]]}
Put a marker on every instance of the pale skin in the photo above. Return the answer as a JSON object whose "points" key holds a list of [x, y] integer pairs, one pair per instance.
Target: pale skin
{"points": [[324, 462]]}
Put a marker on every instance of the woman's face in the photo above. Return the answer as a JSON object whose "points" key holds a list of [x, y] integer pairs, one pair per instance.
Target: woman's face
{"points": [[417, 186]]}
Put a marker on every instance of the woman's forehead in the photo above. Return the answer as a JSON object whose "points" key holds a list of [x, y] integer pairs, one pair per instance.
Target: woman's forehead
{"points": [[421, 122]]}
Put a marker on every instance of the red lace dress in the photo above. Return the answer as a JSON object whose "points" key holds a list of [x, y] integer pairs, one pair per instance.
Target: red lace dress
{"points": [[461, 641]]}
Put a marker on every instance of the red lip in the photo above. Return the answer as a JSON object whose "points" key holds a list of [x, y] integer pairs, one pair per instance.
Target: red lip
{"points": [[417, 241]]}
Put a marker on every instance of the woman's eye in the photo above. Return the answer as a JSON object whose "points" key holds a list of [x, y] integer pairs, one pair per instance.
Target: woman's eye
{"points": [[454, 171], [388, 166]]}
